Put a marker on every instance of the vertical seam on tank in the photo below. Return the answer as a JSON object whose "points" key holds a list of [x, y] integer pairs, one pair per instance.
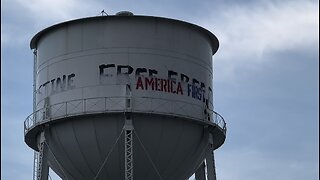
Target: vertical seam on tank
{"points": [[77, 142], [117, 146], [160, 140], [204, 136], [66, 39], [172, 154], [81, 38], [96, 139], [98, 146], [106, 170], [66, 154], [184, 159], [179, 142], [146, 156]]}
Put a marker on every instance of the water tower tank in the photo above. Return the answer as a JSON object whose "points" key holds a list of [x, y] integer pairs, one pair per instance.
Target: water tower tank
{"points": [[123, 97]]}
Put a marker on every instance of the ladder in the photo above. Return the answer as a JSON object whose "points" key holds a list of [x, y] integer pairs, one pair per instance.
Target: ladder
{"points": [[35, 164], [40, 161], [40, 164], [35, 153]]}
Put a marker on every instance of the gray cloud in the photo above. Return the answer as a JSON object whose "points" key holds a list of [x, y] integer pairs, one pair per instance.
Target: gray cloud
{"points": [[247, 33], [272, 115]]}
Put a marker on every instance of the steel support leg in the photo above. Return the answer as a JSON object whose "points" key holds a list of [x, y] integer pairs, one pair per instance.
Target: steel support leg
{"points": [[210, 165], [200, 173], [211, 169], [128, 136], [128, 144]]}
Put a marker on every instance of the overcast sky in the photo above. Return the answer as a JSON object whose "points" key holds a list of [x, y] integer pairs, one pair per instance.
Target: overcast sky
{"points": [[266, 78]]}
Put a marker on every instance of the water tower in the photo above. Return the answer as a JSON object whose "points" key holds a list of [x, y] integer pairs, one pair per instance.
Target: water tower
{"points": [[124, 97]]}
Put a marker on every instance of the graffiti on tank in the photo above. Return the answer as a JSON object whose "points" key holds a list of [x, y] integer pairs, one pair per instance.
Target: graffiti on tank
{"points": [[56, 85], [148, 79]]}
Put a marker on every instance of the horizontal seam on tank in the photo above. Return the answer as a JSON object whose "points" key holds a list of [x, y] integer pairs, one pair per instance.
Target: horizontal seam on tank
{"points": [[115, 48], [124, 52], [181, 59]]}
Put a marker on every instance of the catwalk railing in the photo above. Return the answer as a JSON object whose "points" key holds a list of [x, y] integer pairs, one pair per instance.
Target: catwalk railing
{"points": [[118, 104]]}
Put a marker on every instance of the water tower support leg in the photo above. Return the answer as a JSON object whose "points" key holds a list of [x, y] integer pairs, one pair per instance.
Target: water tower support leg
{"points": [[211, 169], [128, 128], [210, 165], [43, 168], [200, 173]]}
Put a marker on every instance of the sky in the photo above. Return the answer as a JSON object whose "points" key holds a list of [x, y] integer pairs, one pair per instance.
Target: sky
{"points": [[266, 78]]}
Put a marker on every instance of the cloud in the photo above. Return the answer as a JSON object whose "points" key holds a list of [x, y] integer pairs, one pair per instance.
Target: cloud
{"points": [[249, 164], [14, 156], [272, 119], [20, 26], [248, 32], [56, 10]]}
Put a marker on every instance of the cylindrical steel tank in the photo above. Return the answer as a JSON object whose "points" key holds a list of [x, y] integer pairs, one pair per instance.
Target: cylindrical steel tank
{"points": [[91, 73]]}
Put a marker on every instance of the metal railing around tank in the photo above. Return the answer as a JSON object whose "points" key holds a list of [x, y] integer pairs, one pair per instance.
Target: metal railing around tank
{"points": [[118, 104]]}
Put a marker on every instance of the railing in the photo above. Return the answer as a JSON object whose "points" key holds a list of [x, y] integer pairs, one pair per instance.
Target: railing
{"points": [[118, 104]]}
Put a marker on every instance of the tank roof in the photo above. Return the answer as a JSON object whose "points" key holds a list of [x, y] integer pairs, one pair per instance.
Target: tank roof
{"points": [[213, 39]]}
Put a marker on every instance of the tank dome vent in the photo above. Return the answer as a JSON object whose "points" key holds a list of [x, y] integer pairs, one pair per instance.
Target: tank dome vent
{"points": [[124, 13]]}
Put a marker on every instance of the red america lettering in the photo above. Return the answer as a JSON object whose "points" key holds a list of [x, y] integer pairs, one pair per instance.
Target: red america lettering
{"points": [[157, 84]]}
